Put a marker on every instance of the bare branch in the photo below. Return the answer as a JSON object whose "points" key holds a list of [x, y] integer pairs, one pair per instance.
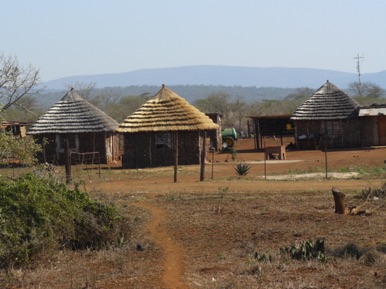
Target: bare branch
{"points": [[26, 108], [16, 81]]}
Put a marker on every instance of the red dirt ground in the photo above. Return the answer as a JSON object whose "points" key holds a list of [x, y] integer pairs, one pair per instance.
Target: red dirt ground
{"points": [[204, 234]]}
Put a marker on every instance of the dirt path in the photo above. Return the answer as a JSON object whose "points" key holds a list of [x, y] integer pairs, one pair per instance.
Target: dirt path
{"points": [[172, 261]]}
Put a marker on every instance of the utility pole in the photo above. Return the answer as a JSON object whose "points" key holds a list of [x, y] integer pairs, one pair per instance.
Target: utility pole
{"points": [[359, 67]]}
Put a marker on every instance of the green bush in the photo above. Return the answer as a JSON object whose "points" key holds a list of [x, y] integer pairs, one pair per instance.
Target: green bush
{"points": [[14, 149], [306, 250], [38, 214], [242, 169]]}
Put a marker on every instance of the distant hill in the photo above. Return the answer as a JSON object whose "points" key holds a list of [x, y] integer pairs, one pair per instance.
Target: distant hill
{"points": [[222, 76], [189, 92]]}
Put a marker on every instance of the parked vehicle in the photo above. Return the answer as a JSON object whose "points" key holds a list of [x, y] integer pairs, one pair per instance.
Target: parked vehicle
{"points": [[229, 138]]}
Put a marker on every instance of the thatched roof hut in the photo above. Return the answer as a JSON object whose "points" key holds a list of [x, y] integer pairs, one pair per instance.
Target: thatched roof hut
{"points": [[86, 127], [327, 103], [166, 112], [330, 117], [150, 132]]}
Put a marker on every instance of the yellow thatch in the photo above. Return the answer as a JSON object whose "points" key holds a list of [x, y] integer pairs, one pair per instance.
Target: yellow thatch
{"points": [[166, 111]]}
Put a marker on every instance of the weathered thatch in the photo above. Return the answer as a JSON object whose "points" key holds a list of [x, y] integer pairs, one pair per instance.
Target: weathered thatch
{"points": [[327, 103], [73, 114], [166, 112], [75, 122]]}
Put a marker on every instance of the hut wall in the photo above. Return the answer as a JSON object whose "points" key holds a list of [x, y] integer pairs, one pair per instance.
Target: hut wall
{"points": [[88, 142], [308, 134], [215, 135], [141, 150], [369, 131], [313, 134], [93, 142]]}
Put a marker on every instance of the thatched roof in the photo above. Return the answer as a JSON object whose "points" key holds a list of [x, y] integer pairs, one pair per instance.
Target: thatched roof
{"points": [[327, 103], [166, 111], [73, 114]]}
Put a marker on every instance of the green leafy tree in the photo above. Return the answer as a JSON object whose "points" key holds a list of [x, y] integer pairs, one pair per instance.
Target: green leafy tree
{"points": [[14, 149], [125, 106], [238, 109]]}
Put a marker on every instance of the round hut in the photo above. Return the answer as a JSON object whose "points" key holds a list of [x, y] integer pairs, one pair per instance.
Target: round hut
{"points": [[329, 118], [88, 130], [164, 128]]}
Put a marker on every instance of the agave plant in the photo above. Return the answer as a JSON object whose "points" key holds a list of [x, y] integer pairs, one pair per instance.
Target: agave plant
{"points": [[242, 169]]}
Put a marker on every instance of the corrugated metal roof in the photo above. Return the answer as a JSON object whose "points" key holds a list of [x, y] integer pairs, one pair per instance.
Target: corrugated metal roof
{"points": [[166, 111], [372, 111], [73, 114], [327, 103]]}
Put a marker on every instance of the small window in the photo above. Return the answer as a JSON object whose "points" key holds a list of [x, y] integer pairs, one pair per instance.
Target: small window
{"points": [[163, 141]]}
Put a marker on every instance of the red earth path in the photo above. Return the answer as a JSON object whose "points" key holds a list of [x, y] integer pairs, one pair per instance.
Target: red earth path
{"points": [[172, 260]]}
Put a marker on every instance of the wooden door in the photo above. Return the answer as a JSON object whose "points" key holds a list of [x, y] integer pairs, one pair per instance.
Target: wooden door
{"points": [[382, 129]]}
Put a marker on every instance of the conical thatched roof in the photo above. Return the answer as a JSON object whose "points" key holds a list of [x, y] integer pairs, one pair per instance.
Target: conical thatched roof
{"points": [[73, 114], [327, 103], [166, 111]]}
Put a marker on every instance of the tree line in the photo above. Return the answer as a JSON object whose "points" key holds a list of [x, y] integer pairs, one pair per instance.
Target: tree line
{"points": [[20, 93]]}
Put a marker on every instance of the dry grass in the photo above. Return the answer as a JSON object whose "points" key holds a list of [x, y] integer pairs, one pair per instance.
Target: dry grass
{"points": [[221, 224]]}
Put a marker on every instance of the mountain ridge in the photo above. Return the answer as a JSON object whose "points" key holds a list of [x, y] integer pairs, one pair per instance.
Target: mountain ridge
{"points": [[284, 77]]}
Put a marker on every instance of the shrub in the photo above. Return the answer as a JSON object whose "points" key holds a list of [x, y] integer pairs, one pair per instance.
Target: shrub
{"points": [[14, 149], [38, 214], [349, 250], [306, 250], [242, 169]]}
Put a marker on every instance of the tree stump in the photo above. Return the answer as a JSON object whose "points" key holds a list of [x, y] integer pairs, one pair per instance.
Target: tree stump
{"points": [[340, 202], [341, 208]]}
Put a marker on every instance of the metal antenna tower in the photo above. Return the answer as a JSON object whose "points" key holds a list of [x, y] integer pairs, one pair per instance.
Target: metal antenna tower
{"points": [[359, 67]]}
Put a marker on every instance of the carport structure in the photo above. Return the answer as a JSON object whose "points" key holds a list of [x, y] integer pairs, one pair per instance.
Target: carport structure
{"points": [[277, 126]]}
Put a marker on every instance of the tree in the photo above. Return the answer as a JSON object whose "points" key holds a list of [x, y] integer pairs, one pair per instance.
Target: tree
{"points": [[125, 106], [84, 89], [294, 100], [366, 89], [300, 94], [16, 81], [16, 149], [217, 102], [238, 109], [18, 110]]}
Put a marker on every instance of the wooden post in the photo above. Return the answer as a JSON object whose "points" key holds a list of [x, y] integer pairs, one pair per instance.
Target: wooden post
{"points": [[203, 155], [176, 156], [212, 162], [68, 162], [150, 150], [325, 158]]}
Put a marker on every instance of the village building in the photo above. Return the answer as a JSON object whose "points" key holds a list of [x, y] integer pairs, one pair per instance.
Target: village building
{"points": [[272, 126], [328, 119], [373, 120], [88, 131], [215, 135], [17, 128], [164, 131]]}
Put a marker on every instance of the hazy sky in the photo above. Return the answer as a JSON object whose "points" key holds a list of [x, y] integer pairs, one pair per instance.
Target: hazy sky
{"points": [[78, 37]]}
